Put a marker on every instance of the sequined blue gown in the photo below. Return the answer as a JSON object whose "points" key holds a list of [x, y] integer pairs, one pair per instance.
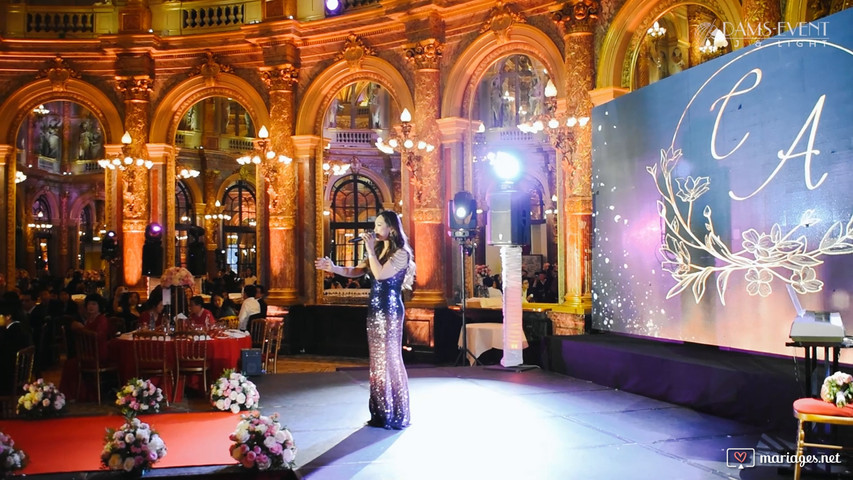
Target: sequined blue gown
{"points": [[389, 384]]}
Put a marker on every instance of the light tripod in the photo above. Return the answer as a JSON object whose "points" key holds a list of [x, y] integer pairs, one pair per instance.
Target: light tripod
{"points": [[466, 247]]}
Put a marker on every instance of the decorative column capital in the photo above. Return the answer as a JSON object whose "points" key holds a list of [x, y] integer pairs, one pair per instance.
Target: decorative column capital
{"points": [[578, 17], [59, 72], [135, 88], [425, 54], [280, 77]]}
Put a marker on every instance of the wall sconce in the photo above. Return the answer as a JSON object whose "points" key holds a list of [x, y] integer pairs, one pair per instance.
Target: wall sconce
{"points": [[124, 160], [263, 151], [656, 31]]}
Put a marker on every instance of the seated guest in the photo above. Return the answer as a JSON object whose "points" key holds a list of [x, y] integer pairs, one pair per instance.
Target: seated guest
{"points": [[200, 317], [152, 315], [115, 306], [250, 307], [129, 307], [13, 337], [95, 320], [491, 291], [220, 308], [261, 297]]}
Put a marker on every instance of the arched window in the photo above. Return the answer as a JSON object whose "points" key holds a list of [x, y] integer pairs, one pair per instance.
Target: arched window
{"points": [[514, 92], [185, 219], [355, 203], [42, 227], [240, 237]]}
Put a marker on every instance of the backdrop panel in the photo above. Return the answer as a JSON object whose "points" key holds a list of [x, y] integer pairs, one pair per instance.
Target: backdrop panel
{"points": [[716, 187]]}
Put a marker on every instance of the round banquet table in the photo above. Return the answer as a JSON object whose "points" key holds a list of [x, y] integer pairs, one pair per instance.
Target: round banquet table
{"points": [[223, 353]]}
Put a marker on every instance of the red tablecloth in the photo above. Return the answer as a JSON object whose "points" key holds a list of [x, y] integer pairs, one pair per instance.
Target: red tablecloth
{"points": [[223, 353]]}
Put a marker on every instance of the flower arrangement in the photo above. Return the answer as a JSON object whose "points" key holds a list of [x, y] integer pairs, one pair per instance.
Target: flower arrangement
{"points": [[41, 399], [838, 389], [176, 277], [139, 396], [233, 391], [261, 442], [134, 447], [92, 276], [11, 458], [483, 271]]}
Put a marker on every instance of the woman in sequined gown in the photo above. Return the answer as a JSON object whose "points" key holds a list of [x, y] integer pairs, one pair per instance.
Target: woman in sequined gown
{"points": [[390, 264]]}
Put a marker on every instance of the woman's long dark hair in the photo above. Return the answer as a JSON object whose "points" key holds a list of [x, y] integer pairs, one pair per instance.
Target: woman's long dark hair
{"points": [[396, 237]]}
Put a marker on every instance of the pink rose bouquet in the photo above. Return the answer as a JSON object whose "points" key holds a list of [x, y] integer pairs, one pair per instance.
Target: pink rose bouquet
{"points": [[11, 458], [139, 396], [40, 399], [176, 277], [261, 442], [233, 391], [134, 447]]}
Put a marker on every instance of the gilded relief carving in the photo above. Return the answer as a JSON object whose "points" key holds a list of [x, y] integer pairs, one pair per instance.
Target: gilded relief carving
{"points": [[354, 52], [134, 193], [426, 177], [58, 74], [500, 20], [424, 54], [428, 215], [581, 16], [210, 68], [760, 12]]}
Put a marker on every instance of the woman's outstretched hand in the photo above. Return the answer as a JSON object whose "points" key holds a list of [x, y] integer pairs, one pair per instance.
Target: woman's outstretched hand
{"points": [[326, 264]]}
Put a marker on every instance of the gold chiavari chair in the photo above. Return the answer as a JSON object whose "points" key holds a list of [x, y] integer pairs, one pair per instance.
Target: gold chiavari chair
{"points": [[152, 358], [89, 357], [271, 346], [191, 356]]}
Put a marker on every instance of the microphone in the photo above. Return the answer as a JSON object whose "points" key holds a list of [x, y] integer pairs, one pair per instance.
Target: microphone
{"points": [[356, 240]]}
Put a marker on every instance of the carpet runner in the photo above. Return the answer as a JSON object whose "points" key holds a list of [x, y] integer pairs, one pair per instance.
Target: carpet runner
{"points": [[74, 444]]}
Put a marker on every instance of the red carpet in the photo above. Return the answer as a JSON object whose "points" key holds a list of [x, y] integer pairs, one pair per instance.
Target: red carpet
{"points": [[74, 444]]}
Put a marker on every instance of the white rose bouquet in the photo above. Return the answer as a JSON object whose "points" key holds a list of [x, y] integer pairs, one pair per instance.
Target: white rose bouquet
{"points": [[139, 396], [11, 458], [261, 442], [134, 447], [233, 391], [41, 399], [838, 389]]}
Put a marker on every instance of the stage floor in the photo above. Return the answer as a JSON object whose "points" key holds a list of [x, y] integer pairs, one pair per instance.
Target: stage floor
{"points": [[476, 423]]}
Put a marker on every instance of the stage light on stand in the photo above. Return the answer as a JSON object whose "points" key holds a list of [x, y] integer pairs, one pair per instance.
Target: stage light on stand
{"points": [[505, 166]]}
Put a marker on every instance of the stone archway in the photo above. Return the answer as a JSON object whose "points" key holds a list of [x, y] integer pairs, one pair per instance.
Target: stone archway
{"points": [[620, 48]]}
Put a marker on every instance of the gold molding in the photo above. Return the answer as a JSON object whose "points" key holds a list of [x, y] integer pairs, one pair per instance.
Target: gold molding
{"points": [[135, 87], [281, 77]]}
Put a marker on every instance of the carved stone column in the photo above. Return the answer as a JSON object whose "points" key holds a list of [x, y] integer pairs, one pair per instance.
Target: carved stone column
{"points": [[574, 174], [64, 233], [211, 224], [280, 180], [7, 214], [427, 183], [761, 19], [134, 181]]}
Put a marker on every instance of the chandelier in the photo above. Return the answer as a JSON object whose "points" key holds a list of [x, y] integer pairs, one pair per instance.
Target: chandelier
{"points": [[406, 143], [549, 119], [40, 110], [709, 48], [263, 151], [124, 160], [656, 31], [20, 176], [339, 168]]}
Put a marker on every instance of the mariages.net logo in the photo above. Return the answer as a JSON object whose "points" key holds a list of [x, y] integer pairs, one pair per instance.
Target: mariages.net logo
{"points": [[805, 33]]}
